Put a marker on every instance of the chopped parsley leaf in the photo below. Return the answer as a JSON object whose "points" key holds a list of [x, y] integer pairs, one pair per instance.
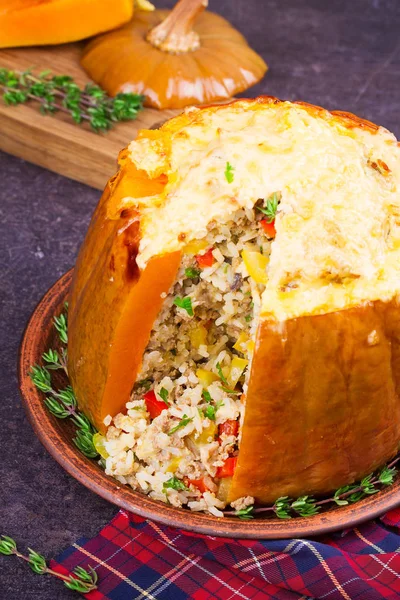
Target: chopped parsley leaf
{"points": [[220, 374], [229, 175], [174, 484], [207, 396], [210, 410], [185, 303], [247, 318], [271, 206], [163, 393], [192, 273], [182, 423]]}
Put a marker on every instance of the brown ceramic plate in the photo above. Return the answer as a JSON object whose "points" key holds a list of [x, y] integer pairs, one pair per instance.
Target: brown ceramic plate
{"points": [[56, 436]]}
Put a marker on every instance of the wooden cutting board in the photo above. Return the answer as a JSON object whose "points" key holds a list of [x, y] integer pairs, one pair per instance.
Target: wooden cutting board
{"points": [[55, 142]]}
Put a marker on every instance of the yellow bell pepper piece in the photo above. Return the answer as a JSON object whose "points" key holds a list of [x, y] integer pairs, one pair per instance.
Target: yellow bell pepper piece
{"points": [[174, 464], [206, 378], [238, 365], [251, 345], [241, 342], [198, 336], [195, 246], [207, 433], [98, 442], [256, 265]]}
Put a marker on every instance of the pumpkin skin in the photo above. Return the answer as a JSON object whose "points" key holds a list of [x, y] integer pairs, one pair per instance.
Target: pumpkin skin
{"points": [[34, 22], [322, 406], [123, 61]]}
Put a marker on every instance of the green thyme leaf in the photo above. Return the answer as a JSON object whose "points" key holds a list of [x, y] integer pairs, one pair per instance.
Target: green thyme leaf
{"points": [[271, 206], [192, 273], [163, 393], [175, 484], [339, 492], [7, 545], [37, 562], [60, 323], [282, 507], [41, 378], [185, 304], [387, 475], [305, 506], [182, 423], [245, 514], [229, 172]]}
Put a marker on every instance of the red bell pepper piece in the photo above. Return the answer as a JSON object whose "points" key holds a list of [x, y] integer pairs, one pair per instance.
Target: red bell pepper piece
{"points": [[228, 468], [154, 406], [200, 484], [230, 427], [205, 260], [269, 228]]}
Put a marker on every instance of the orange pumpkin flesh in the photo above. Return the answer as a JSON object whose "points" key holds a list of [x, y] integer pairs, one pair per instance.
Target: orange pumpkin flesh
{"points": [[34, 22], [113, 305], [124, 61], [322, 405]]}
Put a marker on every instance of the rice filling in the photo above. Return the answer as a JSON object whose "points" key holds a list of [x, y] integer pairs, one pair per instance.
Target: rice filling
{"points": [[179, 438]]}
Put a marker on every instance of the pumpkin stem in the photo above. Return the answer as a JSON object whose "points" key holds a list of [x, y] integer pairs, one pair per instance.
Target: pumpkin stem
{"points": [[175, 33]]}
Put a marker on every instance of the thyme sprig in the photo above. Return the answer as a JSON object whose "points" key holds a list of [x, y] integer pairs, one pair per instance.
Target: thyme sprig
{"points": [[305, 506], [60, 93], [81, 580], [62, 403]]}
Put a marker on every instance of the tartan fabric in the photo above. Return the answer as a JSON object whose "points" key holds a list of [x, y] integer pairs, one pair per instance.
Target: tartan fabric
{"points": [[139, 559]]}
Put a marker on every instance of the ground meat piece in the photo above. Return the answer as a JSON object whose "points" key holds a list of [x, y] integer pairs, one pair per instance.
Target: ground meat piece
{"points": [[242, 503]]}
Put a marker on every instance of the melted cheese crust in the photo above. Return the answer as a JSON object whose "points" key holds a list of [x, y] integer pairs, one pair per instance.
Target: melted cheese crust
{"points": [[338, 225]]}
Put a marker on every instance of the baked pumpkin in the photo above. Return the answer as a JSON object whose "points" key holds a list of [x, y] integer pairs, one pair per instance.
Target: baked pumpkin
{"points": [[234, 313], [40, 22], [174, 58]]}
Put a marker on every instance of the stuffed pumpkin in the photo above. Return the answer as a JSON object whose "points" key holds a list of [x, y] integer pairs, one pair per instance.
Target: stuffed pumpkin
{"points": [[234, 320]]}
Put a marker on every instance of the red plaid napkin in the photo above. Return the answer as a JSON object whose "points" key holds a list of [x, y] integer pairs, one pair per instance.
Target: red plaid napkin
{"points": [[138, 559]]}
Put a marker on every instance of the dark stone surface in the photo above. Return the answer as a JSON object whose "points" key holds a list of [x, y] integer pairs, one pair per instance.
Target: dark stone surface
{"points": [[338, 54]]}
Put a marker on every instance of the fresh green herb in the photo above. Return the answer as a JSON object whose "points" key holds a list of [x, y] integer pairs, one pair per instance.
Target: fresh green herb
{"points": [[228, 391], [182, 423], [305, 506], [185, 303], [245, 514], [60, 323], [192, 273], [163, 393], [387, 475], [174, 484], [80, 580], [210, 410], [247, 318], [229, 172], [206, 395], [220, 373], [282, 507], [62, 402], [271, 206], [59, 93]]}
